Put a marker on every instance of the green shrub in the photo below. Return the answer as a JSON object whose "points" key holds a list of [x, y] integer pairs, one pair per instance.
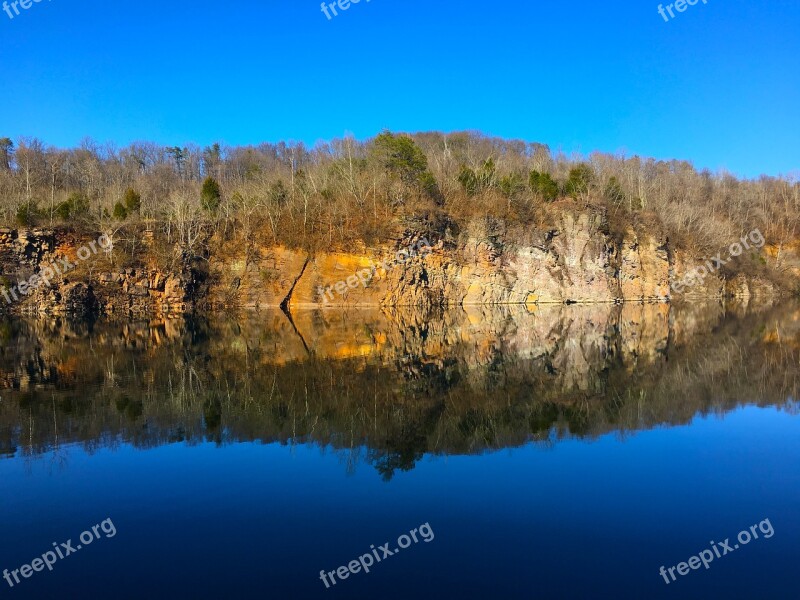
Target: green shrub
{"points": [[278, 193], [511, 185], [120, 213], [544, 186], [579, 180], [210, 195], [468, 180], [484, 179], [431, 188], [76, 205], [132, 201], [27, 214], [486, 175]]}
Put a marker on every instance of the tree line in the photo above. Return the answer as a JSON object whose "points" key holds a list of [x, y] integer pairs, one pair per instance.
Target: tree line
{"points": [[344, 189]]}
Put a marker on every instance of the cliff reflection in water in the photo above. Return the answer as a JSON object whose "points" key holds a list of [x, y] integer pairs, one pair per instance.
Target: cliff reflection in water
{"points": [[388, 387]]}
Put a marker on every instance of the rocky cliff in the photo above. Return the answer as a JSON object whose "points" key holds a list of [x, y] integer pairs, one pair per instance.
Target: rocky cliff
{"points": [[574, 258]]}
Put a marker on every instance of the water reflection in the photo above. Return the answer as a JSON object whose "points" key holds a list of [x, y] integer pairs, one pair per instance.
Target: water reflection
{"points": [[387, 387]]}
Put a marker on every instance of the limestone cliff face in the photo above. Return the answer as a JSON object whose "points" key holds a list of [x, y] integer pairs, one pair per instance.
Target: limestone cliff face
{"points": [[261, 278], [23, 250], [644, 266], [86, 286], [575, 258], [576, 261]]}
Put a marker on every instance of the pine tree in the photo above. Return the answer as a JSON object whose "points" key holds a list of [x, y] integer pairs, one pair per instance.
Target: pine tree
{"points": [[579, 180], [543, 186], [211, 195], [119, 212], [132, 201]]}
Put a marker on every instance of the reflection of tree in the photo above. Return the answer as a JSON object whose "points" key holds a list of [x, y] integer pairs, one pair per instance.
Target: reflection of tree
{"points": [[401, 453], [194, 381], [59, 458], [132, 409], [407, 443], [58, 455], [542, 417], [430, 377], [212, 417], [212, 413], [477, 426]]}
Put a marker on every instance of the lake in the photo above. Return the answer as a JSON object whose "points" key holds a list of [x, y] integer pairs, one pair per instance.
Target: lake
{"points": [[565, 452]]}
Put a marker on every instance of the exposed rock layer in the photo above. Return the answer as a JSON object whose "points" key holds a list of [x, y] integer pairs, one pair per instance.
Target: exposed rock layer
{"points": [[577, 259]]}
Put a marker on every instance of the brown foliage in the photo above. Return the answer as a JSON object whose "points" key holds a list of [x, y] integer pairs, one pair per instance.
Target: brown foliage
{"points": [[341, 192]]}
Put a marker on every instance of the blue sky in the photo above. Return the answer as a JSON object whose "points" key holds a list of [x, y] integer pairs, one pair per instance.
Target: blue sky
{"points": [[718, 85]]}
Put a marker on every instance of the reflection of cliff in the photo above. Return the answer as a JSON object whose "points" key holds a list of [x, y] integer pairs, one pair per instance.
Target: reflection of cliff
{"points": [[393, 384]]}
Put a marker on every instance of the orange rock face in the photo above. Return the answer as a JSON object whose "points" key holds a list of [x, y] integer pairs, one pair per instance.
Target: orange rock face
{"points": [[574, 259]]}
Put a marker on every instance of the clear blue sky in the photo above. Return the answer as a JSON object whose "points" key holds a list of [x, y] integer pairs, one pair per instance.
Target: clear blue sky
{"points": [[718, 85]]}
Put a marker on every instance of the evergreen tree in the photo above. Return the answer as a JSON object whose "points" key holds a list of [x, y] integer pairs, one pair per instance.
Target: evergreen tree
{"points": [[579, 180], [401, 156], [27, 214], [76, 205], [511, 185], [120, 213], [486, 176], [211, 195], [544, 186], [406, 161], [6, 151], [468, 180], [132, 201]]}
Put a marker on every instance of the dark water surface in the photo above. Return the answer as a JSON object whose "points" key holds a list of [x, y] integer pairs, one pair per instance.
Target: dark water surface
{"points": [[568, 452]]}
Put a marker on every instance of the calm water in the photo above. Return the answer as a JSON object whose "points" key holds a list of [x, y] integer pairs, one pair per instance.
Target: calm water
{"points": [[564, 453]]}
